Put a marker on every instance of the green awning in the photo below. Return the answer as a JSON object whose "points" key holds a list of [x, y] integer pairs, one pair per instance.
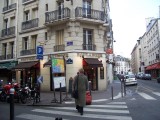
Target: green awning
{"points": [[8, 65]]}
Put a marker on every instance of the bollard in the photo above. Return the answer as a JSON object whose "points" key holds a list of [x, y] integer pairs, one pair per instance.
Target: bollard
{"points": [[60, 94], [124, 88], [90, 87], [112, 91], [12, 104], [121, 88]]}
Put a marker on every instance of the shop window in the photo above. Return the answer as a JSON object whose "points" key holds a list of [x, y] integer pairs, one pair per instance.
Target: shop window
{"points": [[102, 73]]}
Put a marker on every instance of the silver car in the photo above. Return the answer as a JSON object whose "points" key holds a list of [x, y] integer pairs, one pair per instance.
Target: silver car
{"points": [[130, 79]]}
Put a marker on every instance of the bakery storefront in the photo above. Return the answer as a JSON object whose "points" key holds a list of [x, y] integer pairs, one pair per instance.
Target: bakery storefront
{"points": [[93, 65]]}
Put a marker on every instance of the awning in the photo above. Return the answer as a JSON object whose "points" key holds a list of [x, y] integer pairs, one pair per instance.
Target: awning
{"points": [[48, 64], [93, 62], [26, 65], [8, 65], [154, 66]]}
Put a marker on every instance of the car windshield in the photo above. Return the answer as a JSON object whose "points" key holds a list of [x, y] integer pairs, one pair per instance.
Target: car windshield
{"points": [[131, 76]]}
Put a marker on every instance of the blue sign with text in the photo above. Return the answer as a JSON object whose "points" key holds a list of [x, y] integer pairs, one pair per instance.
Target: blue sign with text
{"points": [[40, 52]]}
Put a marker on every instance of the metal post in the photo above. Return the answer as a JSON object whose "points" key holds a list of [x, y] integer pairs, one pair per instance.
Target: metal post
{"points": [[90, 87], [60, 94], [121, 88], [124, 87], [12, 103], [112, 91]]}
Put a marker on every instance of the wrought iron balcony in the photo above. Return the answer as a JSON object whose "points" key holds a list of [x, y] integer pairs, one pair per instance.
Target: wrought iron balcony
{"points": [[27, 52], [59, 48], [10, 56], [30, 24], [90, 14], [89, 47], [10, 7], [8, 31], [3, 57], [27, 1], [57, 15]]}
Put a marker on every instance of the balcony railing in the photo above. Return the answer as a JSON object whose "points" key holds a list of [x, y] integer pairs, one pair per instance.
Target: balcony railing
{"points": [[59, 48], [57, 15], [10, 56], [30, 24], [3, 57], [27, 1], [90, 14], [8, 31], [28, 52], [10, 7], [89, 47]]}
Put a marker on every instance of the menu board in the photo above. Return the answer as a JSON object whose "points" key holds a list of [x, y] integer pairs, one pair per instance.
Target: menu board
{"points": [[58, 80], [57, 65]]}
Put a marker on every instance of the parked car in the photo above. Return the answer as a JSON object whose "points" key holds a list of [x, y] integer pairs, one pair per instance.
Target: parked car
{"points": [[146, 77], [130, 79]]}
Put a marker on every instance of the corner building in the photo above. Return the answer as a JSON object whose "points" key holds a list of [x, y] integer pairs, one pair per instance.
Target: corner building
{"points": [[70, 29]]}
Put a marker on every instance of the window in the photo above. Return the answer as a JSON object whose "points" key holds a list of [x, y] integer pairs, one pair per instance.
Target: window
{"points": [[60, 10], [26, 15], [87, 39], [86, 8], [102, 73], [25, 43], [46, 7], [59, 37], [33, 42], [6, 23], [4, 49], [46, 36]]}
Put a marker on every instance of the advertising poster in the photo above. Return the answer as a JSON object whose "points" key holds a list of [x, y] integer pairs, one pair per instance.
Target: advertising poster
{"points": [[57, 65]]}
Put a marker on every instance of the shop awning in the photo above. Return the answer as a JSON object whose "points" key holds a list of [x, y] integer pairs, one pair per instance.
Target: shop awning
{"points": [[48, 64], [154, 66], [26, 65], [93, 62], [8, 65]]}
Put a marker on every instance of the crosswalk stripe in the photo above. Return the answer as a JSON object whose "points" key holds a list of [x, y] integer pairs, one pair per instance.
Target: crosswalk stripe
{"points": [[108, 106], [156, 93], [112, 117], [144, 95], [117, 103], [92, 110], [35, 117]]}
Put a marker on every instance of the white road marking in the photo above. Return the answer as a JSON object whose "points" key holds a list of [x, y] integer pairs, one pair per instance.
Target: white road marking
{"points": [[108, 106], [117, 103], [93, 110], [35, 117], [156, 93], [111, 117], [144, 95]]}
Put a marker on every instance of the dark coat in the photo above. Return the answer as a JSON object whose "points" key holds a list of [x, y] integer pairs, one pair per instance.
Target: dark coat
{"points": [[82, 88]]}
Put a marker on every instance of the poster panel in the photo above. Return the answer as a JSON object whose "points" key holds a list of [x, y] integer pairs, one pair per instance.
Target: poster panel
{"points": [[57, 65], [58, 80]]}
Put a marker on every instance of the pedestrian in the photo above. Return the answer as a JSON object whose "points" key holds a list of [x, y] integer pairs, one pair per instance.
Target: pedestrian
{"points": [[81, 82]]}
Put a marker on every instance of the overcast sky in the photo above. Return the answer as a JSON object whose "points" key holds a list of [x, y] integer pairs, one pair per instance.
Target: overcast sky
{"points": [[128, 19]]}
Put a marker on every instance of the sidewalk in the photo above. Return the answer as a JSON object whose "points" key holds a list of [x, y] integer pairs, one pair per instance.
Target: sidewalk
{"points": [[47, 98]]}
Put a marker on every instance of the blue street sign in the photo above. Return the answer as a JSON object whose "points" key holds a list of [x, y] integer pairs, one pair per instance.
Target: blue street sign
{"points": [[40, 52]]}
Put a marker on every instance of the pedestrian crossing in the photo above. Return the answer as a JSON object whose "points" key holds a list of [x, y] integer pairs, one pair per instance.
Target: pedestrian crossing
{"points": [[149, 96], [110, 111]]}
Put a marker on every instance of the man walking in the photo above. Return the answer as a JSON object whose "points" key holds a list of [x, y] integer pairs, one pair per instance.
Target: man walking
{"points": [[81, 83]]}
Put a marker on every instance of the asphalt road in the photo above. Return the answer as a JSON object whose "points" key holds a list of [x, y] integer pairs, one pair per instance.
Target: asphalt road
{"points": [[142, 102]]}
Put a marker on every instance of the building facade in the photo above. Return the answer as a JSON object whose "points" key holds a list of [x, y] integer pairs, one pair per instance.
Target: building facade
{"points": [[73, 30], [122, 65]]}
